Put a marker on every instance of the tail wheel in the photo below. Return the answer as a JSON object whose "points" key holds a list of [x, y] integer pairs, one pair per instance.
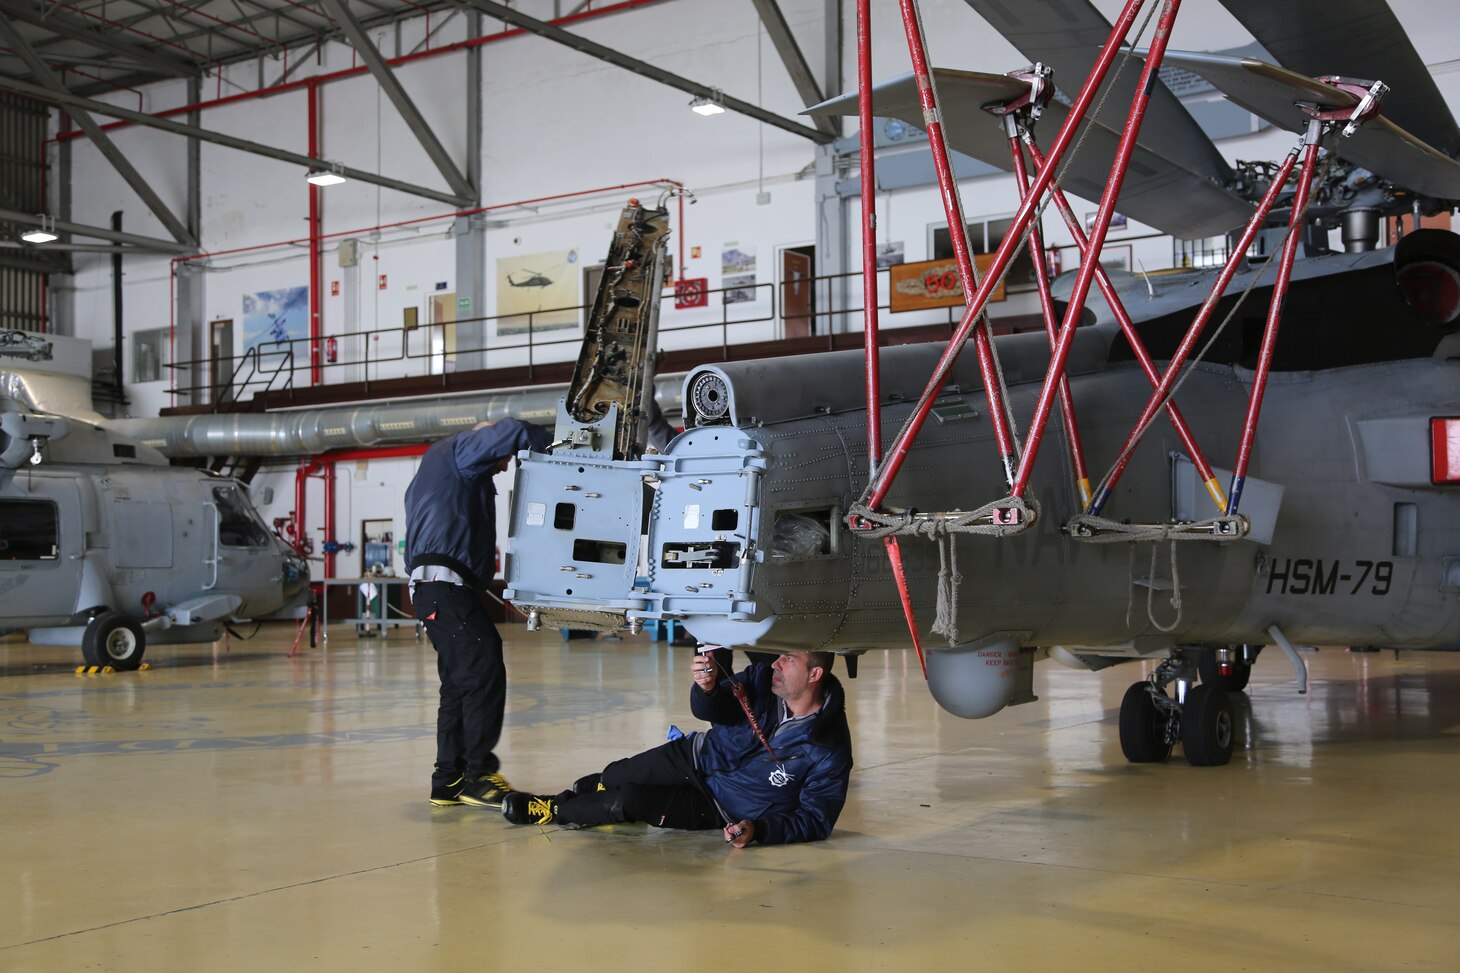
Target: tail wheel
{"points": [[1142, 727], [113, 639], [1207, 727]]}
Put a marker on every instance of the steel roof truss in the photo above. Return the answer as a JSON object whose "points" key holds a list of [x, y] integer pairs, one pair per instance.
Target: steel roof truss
{"points": [[387, 80], [794, 60], [99, 138]]}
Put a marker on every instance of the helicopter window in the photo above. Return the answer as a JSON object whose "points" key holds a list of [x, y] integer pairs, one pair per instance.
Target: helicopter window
{"points": [[28, 530], [238, 525], [802, 533]]}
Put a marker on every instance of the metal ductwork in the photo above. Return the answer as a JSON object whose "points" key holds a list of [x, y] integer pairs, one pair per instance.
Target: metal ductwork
{"points": [[313, 431]]}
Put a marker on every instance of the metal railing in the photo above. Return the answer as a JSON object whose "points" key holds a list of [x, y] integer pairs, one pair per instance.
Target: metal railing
{"points": [[532, 339], [526, 340]]}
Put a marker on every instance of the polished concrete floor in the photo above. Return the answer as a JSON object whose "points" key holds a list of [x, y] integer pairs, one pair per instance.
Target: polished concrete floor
{"points": [[236, 809]]}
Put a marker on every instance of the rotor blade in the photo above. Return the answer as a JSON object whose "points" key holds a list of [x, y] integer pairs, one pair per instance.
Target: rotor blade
{"points": [[1356, 39], [1067, 37], [1379, 144], [1157, 192]]}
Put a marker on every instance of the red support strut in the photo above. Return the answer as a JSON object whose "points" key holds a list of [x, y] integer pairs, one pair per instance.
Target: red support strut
{"points": [[1188, 342], [897, 454], [1133, 338], [869, 237], [1085, 277], [957, 232], [1046, 306], [1275, 310]]}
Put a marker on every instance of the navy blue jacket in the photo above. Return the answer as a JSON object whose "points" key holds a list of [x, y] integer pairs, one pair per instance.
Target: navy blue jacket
{"points": [[797, 798], [451, 507]]}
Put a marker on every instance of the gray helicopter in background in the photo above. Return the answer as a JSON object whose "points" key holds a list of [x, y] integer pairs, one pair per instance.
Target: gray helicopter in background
{"points": [[105, 546], [750, 527]]}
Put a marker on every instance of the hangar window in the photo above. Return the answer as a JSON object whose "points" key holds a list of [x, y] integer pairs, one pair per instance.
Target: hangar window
{"points": [[147, 351], [984, 236], [238, 525], [28, 530]]}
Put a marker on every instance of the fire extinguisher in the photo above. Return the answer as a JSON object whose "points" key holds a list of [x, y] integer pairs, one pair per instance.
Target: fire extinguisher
{"points": [[331, 350], [1055, 262]]}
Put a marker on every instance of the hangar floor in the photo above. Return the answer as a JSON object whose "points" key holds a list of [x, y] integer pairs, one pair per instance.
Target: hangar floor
{"points": [[241, 810]]}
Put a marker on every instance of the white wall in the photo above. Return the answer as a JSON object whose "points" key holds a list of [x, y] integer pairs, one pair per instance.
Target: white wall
{"points": [[554, 122]]}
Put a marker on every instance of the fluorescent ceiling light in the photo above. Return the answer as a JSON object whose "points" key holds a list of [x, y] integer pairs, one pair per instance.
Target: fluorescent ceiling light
{"points": [[41, 234], [713, 105], [332, 176]]}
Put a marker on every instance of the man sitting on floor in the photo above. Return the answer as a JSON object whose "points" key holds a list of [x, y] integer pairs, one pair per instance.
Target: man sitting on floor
{"points": [[772, 769]]}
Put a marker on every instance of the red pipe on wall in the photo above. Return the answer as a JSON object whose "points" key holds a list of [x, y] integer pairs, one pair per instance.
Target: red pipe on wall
{"points": [[376, 452], [329, 518], [316, 298]]}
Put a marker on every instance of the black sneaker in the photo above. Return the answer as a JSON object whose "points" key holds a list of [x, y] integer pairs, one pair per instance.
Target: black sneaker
{"points": [[591, 784], [446, 795], [519, 807], [487, 790]]}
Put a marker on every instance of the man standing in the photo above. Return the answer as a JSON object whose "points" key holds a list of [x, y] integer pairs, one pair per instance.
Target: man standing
{"points": [[771, 770], [451, 543]]}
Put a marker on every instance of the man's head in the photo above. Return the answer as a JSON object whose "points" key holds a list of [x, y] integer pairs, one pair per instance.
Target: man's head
{"points": [[797, 676]]}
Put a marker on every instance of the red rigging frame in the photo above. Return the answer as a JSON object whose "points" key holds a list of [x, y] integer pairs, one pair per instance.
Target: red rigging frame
{"points": [[1013, 514]]}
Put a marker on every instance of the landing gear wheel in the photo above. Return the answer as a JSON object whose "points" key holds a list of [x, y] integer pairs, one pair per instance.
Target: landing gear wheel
{"points": [[1235, 683], [1142, 727], [113, 639], [1206, 727]]}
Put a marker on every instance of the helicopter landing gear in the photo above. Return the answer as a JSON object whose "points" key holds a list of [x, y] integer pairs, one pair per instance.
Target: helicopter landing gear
{"points": [[1143, 727], [1200, 717], [1206, 727], [1238, 663], [113, 639]]}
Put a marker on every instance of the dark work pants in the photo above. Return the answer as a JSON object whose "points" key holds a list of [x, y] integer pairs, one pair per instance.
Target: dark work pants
{"points": [[659, 787], [473, 679]]}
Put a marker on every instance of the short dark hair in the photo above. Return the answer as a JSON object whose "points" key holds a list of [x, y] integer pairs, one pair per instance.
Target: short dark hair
{"points": [[822, 659]]}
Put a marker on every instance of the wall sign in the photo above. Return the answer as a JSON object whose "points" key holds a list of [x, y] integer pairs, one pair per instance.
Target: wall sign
{"points": [[933, 283]]}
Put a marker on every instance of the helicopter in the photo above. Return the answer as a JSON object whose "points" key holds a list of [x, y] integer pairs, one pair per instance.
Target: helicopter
{"points": [[784, 518], [105, 546]]}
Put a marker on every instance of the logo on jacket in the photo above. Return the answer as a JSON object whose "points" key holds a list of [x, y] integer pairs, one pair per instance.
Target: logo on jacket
{"points": [[780, 777]]}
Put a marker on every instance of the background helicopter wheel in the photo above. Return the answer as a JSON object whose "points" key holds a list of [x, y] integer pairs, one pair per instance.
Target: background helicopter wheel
{"points": [[113, 639], [1142, 727], [1206, 727]]}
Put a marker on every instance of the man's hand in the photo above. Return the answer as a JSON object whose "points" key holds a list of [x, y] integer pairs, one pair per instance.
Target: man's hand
{"points": [[739, 834], [704, 672]]}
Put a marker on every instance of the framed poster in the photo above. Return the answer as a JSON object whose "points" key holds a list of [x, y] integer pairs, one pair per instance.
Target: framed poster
{"points": [[933, 283], [537, 290]]}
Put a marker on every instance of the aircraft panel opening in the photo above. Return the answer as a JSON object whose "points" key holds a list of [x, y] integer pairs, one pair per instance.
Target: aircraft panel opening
{"points": [[599, 552], [710, 554], [28, 530], [564, 516], [725, 520], [804, 533]]}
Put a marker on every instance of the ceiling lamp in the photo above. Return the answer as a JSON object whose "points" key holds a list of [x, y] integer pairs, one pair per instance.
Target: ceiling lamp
{"points": [[45, 233], [332, 176], [712, 105]]}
